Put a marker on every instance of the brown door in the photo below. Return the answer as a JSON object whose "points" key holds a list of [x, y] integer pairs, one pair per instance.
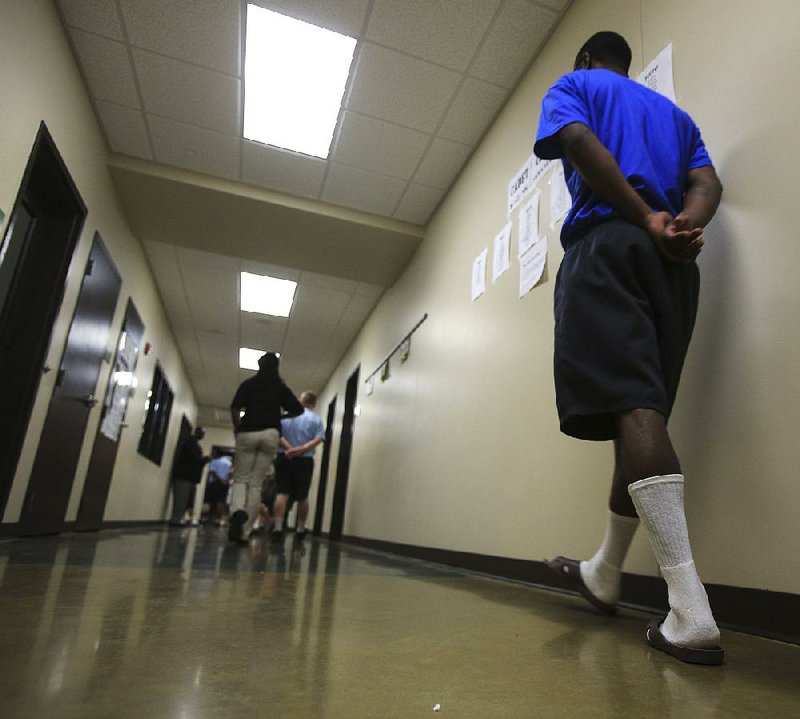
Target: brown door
{"points": [[343, 460], [112, 422], [322, 489], [35, 253], [73, 398]]}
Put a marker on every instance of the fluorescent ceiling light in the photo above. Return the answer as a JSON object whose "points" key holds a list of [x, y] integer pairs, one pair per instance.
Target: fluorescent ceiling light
{"points": [[248, 357], [294, 79], [267, 295]]}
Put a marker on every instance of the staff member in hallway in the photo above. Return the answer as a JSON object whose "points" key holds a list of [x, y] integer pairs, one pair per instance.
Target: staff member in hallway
{"points": [[186, 475], [295, 465], [261, 398], [643, 188]]}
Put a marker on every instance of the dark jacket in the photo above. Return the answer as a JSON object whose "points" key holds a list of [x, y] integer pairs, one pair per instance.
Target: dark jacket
{"points": [[190, 461]]}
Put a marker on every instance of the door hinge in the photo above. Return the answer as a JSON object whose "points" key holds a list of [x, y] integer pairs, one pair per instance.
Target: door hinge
{"points": [[89, 267]]}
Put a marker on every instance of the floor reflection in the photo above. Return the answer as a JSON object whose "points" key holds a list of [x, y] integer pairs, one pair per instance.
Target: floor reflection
{"points": [[179, 623]]}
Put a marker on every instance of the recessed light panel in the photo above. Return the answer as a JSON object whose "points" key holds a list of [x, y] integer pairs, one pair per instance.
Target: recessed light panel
{"points": [[267, 295], [248, 357], [294, 80]]}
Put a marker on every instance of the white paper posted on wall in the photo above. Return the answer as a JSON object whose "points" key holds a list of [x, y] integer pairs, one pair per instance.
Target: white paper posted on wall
{"points": [[658, 74], [501, 257], [479, 275]]}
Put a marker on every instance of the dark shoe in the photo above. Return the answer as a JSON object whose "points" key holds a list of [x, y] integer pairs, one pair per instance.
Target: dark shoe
{"points": [[569, 570], [711, 656], [236, 528], [300, 537], [276, 537]]}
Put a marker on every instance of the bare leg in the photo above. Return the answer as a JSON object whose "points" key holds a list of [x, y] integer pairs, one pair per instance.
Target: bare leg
{"points": [[643, 450]]}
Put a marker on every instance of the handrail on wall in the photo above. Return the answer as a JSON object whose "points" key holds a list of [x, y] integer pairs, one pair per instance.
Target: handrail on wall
{"points": [[394, 351]]}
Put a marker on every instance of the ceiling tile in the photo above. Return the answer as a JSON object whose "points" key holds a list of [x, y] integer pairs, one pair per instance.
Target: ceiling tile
{"points": [[474, 106], [401, 89], [557, 5], [188, 93], [94, 16], [213, 298], [263, 268], [379, 146], [202, 33], [362, 190], [107, 69], [195, 148], [262, 332], [124, 129], [326, 282], [446, 33], [282, 170], [368, 290], [342, 16], [515, 37], [418, 203], [188, 256], [441, 163]]}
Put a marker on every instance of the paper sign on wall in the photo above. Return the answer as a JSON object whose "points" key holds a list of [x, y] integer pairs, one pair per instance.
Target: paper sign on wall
{"points": [[479, 275], [501, 258], [560, 200], [658, 74], [538, 168], [519, 186], [531, 265], [528, 224]]}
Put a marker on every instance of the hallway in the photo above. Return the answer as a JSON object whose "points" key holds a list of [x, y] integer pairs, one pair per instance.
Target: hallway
{"points": [[177, 623]]}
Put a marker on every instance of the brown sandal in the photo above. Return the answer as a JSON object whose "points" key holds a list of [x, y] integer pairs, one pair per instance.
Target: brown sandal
{"points": [[570, 572], [711, 656]]}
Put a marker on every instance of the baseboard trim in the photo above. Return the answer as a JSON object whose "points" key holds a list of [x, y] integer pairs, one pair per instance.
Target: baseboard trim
{"points": [[773, 615]]}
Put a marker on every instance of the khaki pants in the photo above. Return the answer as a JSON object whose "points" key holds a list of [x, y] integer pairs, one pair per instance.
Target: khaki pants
{"points": [[255, 452]]}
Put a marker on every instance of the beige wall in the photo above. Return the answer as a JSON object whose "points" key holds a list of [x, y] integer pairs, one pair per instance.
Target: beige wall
{"points": [[460, 448], [39, 81]]}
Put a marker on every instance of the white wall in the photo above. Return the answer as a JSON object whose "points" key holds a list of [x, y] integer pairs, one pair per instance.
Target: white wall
{"points": [[39, 81], [460, 449]]}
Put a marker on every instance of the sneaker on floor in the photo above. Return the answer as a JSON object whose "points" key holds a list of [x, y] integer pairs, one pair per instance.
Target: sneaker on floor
{"points": [[236, 529], [276, 537], [300, 537]]}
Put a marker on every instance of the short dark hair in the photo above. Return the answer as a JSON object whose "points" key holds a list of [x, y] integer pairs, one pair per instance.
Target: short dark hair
{"points": [[608, 47]]}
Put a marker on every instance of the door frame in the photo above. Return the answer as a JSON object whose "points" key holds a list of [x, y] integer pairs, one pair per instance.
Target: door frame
{"points": [[44, 150]]}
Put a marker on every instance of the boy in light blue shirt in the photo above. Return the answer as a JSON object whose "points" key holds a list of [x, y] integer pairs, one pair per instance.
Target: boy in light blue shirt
{"points": [[294, 465]]}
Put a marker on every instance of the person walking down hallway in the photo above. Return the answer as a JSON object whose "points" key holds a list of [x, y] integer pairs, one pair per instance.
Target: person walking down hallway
{"points": [[294, 466], [186, 475], [643, 188], [260, 399]]}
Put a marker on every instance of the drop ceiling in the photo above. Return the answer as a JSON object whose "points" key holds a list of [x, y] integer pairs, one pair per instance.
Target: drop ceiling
{"points": [[166, 80]]}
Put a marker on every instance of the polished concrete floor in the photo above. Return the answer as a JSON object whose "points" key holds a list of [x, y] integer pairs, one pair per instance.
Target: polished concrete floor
{"points": [[177, 624]]}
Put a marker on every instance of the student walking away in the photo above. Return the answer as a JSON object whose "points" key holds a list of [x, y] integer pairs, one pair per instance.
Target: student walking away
{"points": [[219, 472], [186, 475], [295, 465], [643, 188], [260, 399]]}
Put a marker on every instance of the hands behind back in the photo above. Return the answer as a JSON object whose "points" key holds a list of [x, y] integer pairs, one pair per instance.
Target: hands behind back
{"points": [[677, 239]]}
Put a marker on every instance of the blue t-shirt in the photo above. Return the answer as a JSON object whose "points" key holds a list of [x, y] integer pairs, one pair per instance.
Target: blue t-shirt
{"points": [[302, 429], [654, 142], [221, 466]]}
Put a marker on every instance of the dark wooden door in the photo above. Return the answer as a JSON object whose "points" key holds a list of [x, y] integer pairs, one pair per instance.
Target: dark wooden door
{"points": [[343, 461], [112, 422], [73, 399], [43, 228], [319, 510]]}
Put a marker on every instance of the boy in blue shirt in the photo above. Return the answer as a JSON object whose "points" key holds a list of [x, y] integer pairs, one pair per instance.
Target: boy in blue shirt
{"points": [[643, 188]]}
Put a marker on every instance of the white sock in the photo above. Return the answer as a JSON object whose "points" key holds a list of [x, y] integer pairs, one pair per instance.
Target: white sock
{"points": [[301, 526], [602, 574], [659, 502]]}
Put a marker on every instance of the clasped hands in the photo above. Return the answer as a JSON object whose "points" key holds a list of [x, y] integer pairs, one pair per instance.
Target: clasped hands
{"points": [[676, 238]]}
